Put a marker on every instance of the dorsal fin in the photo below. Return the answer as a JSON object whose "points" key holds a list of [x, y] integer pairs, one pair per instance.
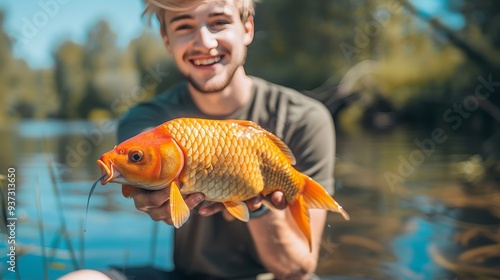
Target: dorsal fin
{"points": [[281, 145]]}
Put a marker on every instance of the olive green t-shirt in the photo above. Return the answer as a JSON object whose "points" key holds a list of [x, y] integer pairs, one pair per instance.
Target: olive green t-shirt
{"points": [[211, 245]]}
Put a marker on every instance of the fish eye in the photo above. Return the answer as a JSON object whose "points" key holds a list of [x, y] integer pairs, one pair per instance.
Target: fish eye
{"points": [[135, 155]]}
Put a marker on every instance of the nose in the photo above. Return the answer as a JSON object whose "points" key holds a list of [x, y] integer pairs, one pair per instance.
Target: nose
{"points": [[205, 38]]}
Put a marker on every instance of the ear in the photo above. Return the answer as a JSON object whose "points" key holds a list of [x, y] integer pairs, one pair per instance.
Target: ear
{"points": [[249, 31]]}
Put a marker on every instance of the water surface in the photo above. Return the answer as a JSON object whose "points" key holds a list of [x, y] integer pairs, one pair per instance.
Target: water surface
{"points": [[416, 213]]}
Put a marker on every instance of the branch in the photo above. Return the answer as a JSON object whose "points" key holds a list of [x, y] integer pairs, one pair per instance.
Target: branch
{"points": [[473, 52]]}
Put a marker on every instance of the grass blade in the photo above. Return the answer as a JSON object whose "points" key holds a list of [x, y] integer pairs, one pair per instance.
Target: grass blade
{"points": [[82, 246], [63, 231], [40, 230]]}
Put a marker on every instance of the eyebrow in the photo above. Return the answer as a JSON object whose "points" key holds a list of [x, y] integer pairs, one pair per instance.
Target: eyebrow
{"points": [[180, 17], [188, 16], [218, 14]]}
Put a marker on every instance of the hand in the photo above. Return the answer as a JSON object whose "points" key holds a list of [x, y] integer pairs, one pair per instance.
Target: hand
{"points": [[277, 199], [156, 203]]}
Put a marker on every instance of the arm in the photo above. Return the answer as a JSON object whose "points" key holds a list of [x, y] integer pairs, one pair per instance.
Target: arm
{"points": [[281, 246]]}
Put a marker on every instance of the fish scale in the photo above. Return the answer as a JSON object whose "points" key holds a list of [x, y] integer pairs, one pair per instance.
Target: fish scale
{"points": [[223, 163], [229, 161]]}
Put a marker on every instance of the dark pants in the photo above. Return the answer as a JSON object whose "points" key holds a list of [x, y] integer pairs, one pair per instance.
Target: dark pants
{"points": [[141, 273], [152, 273]]}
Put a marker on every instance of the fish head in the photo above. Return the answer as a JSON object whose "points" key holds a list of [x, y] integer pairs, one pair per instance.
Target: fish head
{"points": [[148, 160]]}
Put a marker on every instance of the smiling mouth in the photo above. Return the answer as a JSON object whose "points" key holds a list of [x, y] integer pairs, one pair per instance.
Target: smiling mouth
{"points": [[207, 61]]}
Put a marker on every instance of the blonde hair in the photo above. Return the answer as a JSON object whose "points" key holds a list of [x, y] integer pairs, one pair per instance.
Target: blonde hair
{"points": [[158, 7]]}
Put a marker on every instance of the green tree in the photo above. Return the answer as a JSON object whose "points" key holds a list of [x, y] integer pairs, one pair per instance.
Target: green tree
{"points": [[111, 72], [70, 79], [5, 61], [155, 67]]}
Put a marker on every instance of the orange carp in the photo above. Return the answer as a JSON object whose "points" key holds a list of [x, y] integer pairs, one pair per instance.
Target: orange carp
{"points": [[229, 161]]}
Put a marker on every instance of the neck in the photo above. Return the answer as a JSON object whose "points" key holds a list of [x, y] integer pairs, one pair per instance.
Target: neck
{"points": [[227, 101]]}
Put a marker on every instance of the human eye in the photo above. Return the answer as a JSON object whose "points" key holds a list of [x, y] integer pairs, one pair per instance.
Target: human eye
{"points": [[219, 24], [183, 27]]}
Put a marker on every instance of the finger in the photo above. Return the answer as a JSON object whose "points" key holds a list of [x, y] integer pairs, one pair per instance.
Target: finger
{"points": [[254, 203], [208, 210], [277, 199], [130, 191], [194, 199], [161, 213], [146, 200]]}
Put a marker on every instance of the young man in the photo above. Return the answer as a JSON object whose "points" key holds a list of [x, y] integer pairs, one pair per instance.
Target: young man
{"points": [[208, 41]]}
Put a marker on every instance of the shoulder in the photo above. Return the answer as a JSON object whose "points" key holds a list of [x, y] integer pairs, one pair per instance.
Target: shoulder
{"points": [[297, 110], [293, 99], [151, 113]]}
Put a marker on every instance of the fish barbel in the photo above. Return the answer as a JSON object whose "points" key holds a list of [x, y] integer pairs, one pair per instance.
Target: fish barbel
{"points": [[229, 161]]}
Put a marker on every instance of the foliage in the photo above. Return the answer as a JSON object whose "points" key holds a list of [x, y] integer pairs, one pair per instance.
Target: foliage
{"points": [[413, 59]]}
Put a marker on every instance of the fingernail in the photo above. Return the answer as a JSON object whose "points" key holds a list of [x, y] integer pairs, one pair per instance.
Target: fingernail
{"points": [[198, 198], [203, 212]]}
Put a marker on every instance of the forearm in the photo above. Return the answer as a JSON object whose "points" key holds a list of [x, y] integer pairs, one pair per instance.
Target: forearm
{"points": [[282, 247]]}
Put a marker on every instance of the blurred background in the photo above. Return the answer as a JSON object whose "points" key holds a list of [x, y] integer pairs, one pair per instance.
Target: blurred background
{"points": [[413, 87]]}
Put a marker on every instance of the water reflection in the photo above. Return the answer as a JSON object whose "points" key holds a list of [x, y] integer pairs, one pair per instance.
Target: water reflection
{"points": [[411, 217], [67, 151], [430, 223]]}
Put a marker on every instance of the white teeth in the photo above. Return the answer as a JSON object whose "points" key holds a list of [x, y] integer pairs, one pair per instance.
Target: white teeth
{"points": [[203, 62]]}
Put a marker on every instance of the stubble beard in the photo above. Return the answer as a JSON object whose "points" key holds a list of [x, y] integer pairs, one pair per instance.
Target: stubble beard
{"points": [[219, 83], [212, 86]]}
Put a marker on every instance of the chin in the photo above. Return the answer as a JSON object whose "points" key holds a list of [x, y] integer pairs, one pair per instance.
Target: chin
{"points": [[210, 87], [213, 85]]}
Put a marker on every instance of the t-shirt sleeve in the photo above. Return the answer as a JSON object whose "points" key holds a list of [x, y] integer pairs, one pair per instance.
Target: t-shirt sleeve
{"points": [[313, 144], [138, 119]]}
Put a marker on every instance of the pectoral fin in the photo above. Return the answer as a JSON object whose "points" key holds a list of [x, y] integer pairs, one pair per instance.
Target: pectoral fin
{"points": [[179, 210], [238, 209]]}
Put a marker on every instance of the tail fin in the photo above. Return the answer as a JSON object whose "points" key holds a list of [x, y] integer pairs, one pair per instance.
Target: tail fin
{"points": [[313, 195], [317, 197], [300, 214]]}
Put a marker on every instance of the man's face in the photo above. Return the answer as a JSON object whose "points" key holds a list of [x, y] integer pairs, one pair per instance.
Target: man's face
{"points": [[208, 43]]}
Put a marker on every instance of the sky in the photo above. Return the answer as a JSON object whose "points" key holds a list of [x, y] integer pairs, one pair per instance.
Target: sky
{"points": [[39, 26]]}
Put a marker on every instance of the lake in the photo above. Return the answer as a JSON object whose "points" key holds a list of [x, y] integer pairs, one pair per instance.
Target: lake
{"points": [[422, 207]]}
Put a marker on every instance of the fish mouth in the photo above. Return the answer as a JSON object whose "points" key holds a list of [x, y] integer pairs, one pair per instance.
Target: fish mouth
{"points": [[110, 172]]}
